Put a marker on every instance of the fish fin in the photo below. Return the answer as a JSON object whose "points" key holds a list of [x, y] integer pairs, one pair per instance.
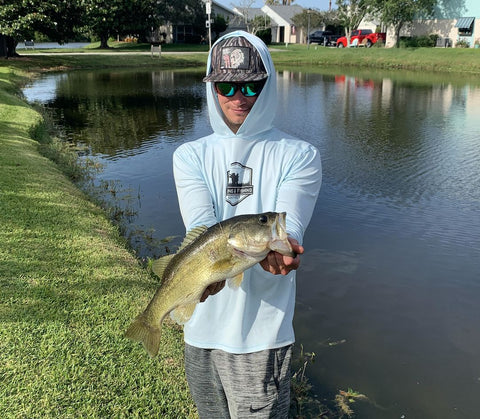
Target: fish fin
{"points": [[182, 314], [150, 336], [159, 265], [192, 235], [235, 281], [222, 265]]}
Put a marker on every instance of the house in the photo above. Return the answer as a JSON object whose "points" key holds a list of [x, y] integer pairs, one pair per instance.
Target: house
{"points": [[461, 25], [179, 33], [283, 29], [450, 31]]}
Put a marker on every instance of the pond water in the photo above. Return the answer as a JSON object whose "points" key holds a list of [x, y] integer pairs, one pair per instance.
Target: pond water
{"points": [[389, 287], [54, 45]]}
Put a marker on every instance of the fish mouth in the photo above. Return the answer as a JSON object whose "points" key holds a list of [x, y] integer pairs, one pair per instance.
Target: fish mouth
{"points": [[279, 242]]}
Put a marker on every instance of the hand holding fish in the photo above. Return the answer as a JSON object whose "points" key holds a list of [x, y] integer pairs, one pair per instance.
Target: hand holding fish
{"points": [[274, 262], [212, 290], [278, 264]]}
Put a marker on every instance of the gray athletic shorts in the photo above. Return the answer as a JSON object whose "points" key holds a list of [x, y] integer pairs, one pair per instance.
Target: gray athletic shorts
{"points": [[254, 385]]}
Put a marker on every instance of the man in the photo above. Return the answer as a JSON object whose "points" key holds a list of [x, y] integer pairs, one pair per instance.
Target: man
{"points": [[238, 342]]}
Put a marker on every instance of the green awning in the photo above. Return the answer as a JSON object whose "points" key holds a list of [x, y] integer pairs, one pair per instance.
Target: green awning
{"points": [[464, 22]]}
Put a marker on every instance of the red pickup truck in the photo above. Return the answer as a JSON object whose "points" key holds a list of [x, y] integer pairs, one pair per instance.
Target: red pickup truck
{"points": [[361, 37]]}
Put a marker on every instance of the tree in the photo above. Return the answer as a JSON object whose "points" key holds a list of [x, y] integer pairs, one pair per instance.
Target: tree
{"points": [[351, 13], [279, 3], [19, 20], [399, 12], [106, 18], [259, 23], [140, 18], [219, 25], [186, 12], [308, 18], [328, 19], [449, 9]]}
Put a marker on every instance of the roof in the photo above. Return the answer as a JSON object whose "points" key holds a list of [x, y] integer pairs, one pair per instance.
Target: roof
{"points": [[249, 12], [464, 22], [284, 13], [221, 7]]}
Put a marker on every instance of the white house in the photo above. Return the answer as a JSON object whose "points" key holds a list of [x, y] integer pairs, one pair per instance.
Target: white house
{"points": [[451, 29], [178, 32], [283, 29]]}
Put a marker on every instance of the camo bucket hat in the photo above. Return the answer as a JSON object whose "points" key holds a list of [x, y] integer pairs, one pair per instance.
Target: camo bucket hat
{"points": [[235, 59]]}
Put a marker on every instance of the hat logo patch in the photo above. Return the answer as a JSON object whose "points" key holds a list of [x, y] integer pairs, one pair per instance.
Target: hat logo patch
{"points": [[235, 58]]}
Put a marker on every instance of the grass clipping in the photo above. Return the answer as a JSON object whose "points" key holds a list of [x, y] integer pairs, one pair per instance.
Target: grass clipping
{"points": [[344, 400]]}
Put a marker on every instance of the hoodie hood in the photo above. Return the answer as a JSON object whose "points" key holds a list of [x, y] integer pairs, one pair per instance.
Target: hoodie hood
{"points": [[262, 114]]}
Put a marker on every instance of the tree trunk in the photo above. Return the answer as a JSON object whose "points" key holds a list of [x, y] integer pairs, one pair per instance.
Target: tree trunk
{"points": [[104, 41], [348, 35], [398, 28], [8, 47]]}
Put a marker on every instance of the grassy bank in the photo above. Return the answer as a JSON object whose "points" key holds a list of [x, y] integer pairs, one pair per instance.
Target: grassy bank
{"points": [[434, 60], [69, 290], [438, 60]]}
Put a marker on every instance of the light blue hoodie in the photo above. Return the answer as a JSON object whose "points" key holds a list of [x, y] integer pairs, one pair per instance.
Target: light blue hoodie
{"points": [[258, 169]]}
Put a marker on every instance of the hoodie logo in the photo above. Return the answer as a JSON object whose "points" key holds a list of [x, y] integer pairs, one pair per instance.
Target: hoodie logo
{"points": [[239, 183]]}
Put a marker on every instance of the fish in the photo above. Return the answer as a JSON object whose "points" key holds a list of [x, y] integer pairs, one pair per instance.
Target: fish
{"points": [[206, 256]]}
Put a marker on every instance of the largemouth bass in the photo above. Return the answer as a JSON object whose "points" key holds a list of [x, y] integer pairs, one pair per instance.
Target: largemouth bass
{"points": [[206, 256]]}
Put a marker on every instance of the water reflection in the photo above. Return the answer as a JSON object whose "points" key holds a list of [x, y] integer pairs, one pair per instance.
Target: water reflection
{"points": [[115, 115], [390, 275]]}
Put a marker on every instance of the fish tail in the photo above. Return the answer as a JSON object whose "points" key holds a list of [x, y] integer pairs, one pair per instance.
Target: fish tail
{"points": [[150, 336]]}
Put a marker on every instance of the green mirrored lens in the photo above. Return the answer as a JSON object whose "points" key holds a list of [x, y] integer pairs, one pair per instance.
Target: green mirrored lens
{"points": [[250, 89], [226, 89]]}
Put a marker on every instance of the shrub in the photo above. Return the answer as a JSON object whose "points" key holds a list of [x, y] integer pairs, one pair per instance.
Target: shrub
{"points": [[265, 35], [428, 41], [462, 44]]}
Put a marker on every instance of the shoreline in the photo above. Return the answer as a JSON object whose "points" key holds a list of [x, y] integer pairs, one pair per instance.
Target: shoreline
{"points": [[456, 61], [70, 288]]}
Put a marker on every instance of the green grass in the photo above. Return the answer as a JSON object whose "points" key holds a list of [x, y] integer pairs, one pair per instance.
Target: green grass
{"points": [[420, 61], [438, 60], [69, 290], [37, 63]]}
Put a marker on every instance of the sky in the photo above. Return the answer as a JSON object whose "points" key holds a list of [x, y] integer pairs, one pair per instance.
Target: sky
{"points": [[473, 6], [314, 4]]}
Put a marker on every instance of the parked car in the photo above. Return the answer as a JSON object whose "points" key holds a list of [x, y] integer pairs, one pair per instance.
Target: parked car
{"points": [[326, 38], [361, 37]]}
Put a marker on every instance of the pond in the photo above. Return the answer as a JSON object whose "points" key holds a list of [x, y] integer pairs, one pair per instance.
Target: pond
{"points": [[388, 291]]}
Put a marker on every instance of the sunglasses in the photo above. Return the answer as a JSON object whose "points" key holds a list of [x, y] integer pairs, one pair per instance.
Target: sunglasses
{"points": [[250, 89]]}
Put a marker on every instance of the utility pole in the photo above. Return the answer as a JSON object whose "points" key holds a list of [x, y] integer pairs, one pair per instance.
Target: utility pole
{"points": [[208, 6], [308, 28]]}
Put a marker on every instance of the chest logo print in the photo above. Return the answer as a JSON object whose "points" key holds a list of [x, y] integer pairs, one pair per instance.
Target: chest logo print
{"points": [[239, 183]]}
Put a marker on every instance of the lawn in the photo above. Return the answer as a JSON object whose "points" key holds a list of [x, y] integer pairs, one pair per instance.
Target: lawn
{"points": [[439, 60], [69, 290]]}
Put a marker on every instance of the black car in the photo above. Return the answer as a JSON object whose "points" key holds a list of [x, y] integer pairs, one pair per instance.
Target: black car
{"points": [[322, 38]]}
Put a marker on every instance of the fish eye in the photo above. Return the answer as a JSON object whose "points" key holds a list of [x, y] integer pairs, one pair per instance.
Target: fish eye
{"points": [[262, 219]]}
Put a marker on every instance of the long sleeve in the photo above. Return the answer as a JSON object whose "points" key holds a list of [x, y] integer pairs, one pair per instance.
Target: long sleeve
{"points": [[218, 178], [298, 191], [194, 196]]}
